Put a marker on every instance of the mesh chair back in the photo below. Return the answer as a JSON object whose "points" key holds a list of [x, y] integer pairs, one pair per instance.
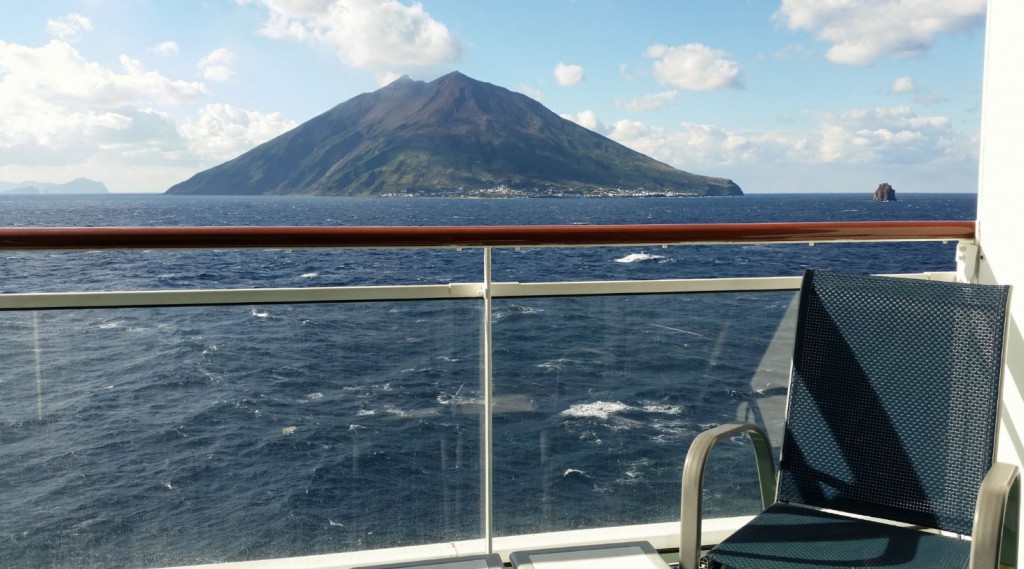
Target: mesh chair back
{"points": [[893, 397]]}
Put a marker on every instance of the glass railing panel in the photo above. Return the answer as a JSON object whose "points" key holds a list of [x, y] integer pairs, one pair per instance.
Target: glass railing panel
{"points": [[169, 269], [718, 261], [167, 436], [598, 399], [224, 269]]}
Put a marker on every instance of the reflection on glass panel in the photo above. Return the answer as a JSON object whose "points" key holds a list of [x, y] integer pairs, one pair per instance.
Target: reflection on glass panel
{"points": [[598, 399], [149, 437], [718, 261], [184, 269]]}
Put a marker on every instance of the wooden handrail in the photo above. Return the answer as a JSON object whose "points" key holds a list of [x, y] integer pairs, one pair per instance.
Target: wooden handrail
{"points": [[212, 237]]}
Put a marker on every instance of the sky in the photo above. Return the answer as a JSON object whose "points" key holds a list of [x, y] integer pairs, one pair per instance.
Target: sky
{"points": [[779, 95]]}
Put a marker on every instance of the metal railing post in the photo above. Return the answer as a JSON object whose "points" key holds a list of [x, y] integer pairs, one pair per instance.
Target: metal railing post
{"points": [[488, 367]]}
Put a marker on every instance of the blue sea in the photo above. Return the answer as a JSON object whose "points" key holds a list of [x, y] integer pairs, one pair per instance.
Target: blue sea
{"points": [[146, 437]]}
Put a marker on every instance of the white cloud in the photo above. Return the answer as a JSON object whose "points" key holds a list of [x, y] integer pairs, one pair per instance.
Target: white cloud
{"points": [[52, 97], [587, 119], [903, 84], [58, 74], [222, 131], [568, 75], [697, 146], [64, 114], [364, 33], [144, 149], [694, 67], [882, 137], [906, 86], [894, 134], [217, 65], [166, 48], [125, 137], [531, 92], [65, 117], [69, 28], [864, 31], [650, 102]]}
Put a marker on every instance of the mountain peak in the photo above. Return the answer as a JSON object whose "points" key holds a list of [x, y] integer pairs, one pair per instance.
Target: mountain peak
{"points": [[454, 75], [458, 80], [452, 135], [403, 80]]}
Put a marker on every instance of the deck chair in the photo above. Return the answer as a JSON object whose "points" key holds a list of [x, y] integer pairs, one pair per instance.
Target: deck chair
{"points": [[887, 456]]}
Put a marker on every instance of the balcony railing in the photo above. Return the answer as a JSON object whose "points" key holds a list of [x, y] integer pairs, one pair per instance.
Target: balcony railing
{"points": [[66, 238], [490, 294]]}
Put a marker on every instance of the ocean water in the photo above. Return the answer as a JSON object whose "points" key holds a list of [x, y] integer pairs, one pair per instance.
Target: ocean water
{"points": [[167, 436]]}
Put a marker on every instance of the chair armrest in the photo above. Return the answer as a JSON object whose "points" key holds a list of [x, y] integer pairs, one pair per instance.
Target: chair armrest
{"points": [[693, 482], [996, 518]]}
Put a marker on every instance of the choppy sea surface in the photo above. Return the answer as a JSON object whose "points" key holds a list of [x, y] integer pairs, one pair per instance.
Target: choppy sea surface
{"points": [[146, 437]]}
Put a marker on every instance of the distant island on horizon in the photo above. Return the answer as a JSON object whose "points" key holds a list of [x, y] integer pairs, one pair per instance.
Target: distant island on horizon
{"points": [[452, 137], [78, 186]]}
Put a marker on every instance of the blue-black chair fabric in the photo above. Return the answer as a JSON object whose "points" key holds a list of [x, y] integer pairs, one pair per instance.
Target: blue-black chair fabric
{"points": [[893, 397], [794, 537], [892, 414]]}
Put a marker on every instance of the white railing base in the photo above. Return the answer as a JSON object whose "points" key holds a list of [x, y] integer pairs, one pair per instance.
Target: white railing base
{"points": [[663, 536]]}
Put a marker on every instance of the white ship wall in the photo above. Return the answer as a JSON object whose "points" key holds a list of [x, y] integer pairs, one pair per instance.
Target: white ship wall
{"points": [[1001, 199]]}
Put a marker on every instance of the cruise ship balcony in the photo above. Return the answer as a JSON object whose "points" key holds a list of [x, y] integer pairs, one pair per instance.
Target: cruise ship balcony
{"points": [[454, 453], [339, 426]]}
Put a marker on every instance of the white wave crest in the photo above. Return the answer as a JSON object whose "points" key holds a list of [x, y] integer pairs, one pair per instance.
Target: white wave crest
{"points": [[638, 257], [309, 275], [595, 410], [671, 431], [573, 472], [651, 407]]}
